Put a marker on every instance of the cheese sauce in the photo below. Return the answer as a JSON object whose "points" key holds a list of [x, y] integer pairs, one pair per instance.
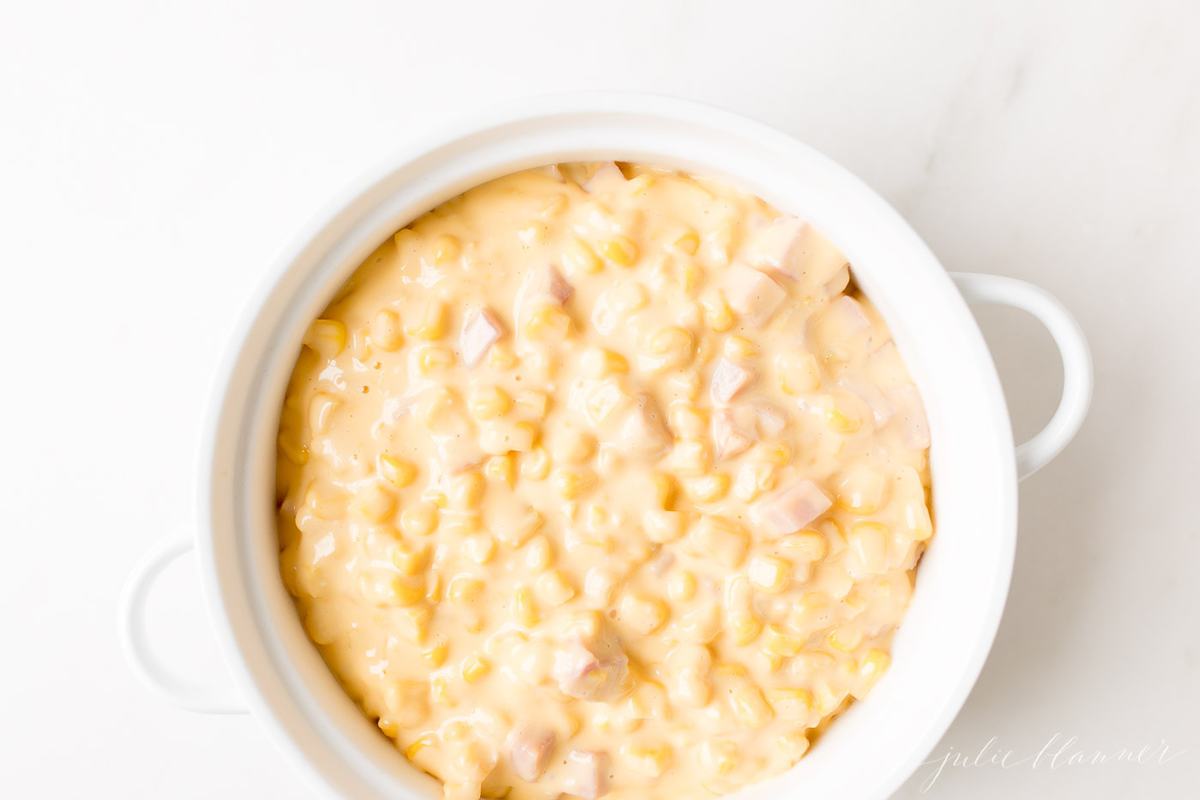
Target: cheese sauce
{"points": [[602, 481]]}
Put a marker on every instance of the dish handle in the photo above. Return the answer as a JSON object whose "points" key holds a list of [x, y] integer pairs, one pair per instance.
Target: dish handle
{"points": [[1041, 448], [135, 640]]}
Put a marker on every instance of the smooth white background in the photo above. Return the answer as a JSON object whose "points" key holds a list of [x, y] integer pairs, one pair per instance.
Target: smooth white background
{"points": [[154, 158]]}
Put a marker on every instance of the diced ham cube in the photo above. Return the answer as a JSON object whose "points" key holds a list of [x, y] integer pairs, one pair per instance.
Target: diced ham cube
{"points": [[790, 508], [728, 378], [548, 282], [731, 434], [586, 774], [481, 328], [644, 431], [590, 663], [753, 294], [529, 749], [607, 177], [910, 414], [778, 246]]}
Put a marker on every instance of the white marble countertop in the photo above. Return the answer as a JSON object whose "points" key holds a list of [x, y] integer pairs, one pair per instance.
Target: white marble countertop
{"points": [[153, 160]]}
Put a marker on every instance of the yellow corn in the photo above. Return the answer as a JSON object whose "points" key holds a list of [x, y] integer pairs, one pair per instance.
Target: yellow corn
{"points": [[480, 547], [651, 761], [573, 483], [402, 592], [419, 519], [718, 316], [873, 665], [422, 742], [446, 248], [749, 706], [464, 589], [798, 373], [538, 554], [466, 490], [666, 490], [409, 560], [389, 727], [554, 589], [434, 358], [524, 609], [580, 258], [745, 629], [548, 323], [535, 464], [769, 573], [501, 356], [805, 546], [687, 242], [681, 586], [794, 703], [327, 337], [844, 639], [779, 642], [397, 471], [739, 348], [598, 362], [430, 322], [374, 502], [436, 656], [706, 488], [502, 469], [620, 250], [386, 331], [488, 402], [474, 668]]}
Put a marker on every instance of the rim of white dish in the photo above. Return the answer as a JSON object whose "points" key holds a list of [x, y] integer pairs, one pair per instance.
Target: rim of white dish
{"points": [[330, 246]]}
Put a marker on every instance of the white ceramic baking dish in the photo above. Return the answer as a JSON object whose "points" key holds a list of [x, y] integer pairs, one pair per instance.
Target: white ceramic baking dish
{"points": [[963, 579]]}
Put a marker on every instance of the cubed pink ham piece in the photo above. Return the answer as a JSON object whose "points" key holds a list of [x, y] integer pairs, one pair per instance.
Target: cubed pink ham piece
{"points": [[529, 749], [732, 434], [778, 246], [548, 282], [753, 294], [771, 421], [590, 665], [481, 329], [790, 508], [586, 774], [728, 378]]}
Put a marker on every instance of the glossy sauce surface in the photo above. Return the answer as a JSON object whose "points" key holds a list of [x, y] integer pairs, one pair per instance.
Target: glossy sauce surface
{"points": [[602, 481]]}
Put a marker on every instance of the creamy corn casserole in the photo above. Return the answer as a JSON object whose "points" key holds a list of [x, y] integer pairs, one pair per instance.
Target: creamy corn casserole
{"points": [[602, 481]]}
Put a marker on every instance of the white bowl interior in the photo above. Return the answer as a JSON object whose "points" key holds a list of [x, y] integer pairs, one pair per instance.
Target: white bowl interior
{"points": [[962, 581]]}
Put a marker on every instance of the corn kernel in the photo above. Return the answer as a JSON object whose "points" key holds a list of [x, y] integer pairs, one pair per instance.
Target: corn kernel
{"points": [[405, 592], [718, 758], [573, 483], [327, 337], [524, 610], [663, 526], [598, 362], [671, 341], [549, 323], [706, 488], [665, 490], [572, 446], [630, 297], [753, 479], [501, 356], [862, 489], [413, 622], [446, 248], [644, 614], [580, 258], [535, 464], [397, 471], [389, 727], [687, 242], [749, 706], [744, 629], [409, 560], [374, 502], [686, 421], [419, 519], [841, 422], [434, 358], [650, 761], [691, 275], [769, 573], [532, 404], [779, 642], [873, 665], [798, 373], [792, 745], [502, 469], [718, 316], [430, 322], [805, 546], [620, 250], [488, 402], [844, 639], [480, 547], [464, 589], [474, 668], [867, 543], [466, 491], [554, 589], [718, 538], [793, 703], [386, 331], [739, 348], [681, 586], [691, 457], [517, 533], [439, 691], [422, 742], [538, 554], [436, 656]]}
